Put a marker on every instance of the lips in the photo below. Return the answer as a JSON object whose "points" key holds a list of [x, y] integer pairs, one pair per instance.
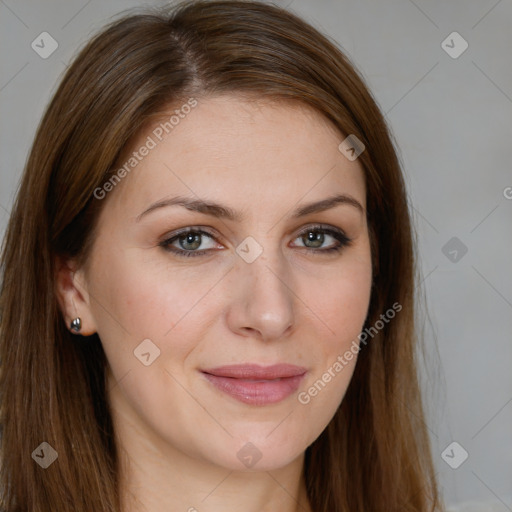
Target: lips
{"points": [[255, 384]]}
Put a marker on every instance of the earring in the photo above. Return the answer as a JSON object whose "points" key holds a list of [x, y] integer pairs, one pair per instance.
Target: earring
{"points": [[76, 324]]}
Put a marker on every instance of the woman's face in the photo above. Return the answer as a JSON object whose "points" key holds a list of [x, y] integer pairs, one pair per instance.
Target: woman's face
{"points": [[226, 344]]}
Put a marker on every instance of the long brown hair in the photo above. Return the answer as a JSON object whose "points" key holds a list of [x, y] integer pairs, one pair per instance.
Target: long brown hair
{"points": [[374, 455]]}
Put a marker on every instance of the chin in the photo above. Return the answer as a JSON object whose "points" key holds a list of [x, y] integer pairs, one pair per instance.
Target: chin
{"points": [[258, 452]]}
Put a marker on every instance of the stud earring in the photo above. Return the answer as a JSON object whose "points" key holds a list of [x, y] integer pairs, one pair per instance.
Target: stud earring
{"points": [[76, 324]]}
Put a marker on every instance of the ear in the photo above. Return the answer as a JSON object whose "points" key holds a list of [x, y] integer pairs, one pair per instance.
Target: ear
{"points": [[72, 295]]}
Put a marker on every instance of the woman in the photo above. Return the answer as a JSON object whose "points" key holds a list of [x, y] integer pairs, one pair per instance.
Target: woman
{"points": [[208, 293]]}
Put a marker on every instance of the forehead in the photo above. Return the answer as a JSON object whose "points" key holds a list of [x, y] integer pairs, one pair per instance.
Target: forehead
{"points": [[247, 151]]}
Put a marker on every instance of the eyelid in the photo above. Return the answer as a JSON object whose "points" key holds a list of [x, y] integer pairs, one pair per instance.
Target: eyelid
{"points": [[321, 227], [212, 232]]}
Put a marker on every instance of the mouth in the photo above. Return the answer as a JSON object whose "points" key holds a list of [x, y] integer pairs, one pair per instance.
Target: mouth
{"points": [[255, 384]]}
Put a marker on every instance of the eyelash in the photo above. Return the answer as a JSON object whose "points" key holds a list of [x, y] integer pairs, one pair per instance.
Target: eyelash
{"points": [[343, 240]]}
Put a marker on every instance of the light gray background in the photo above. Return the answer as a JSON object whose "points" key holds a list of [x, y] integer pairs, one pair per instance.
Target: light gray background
{"points": [[452, 119]]}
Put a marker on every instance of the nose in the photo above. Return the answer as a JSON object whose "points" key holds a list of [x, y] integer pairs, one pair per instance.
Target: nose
{"points": [[263, 299]]}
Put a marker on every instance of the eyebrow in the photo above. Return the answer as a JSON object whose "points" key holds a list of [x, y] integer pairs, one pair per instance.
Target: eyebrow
{"points": [[224, 212]]}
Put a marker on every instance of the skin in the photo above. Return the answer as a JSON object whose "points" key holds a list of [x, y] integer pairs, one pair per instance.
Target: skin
{"points": [[178, 435]]}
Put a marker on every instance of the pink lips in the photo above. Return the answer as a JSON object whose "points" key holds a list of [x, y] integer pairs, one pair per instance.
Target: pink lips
{"points": [[254, 384]]}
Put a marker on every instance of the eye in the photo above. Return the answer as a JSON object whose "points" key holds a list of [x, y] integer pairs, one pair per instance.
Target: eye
{"points": [[315, 236], [189, 240]]}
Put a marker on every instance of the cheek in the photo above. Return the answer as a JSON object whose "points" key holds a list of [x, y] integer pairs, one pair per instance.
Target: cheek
{"points": [[342, 301], [342, 305], [139, 301]]}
